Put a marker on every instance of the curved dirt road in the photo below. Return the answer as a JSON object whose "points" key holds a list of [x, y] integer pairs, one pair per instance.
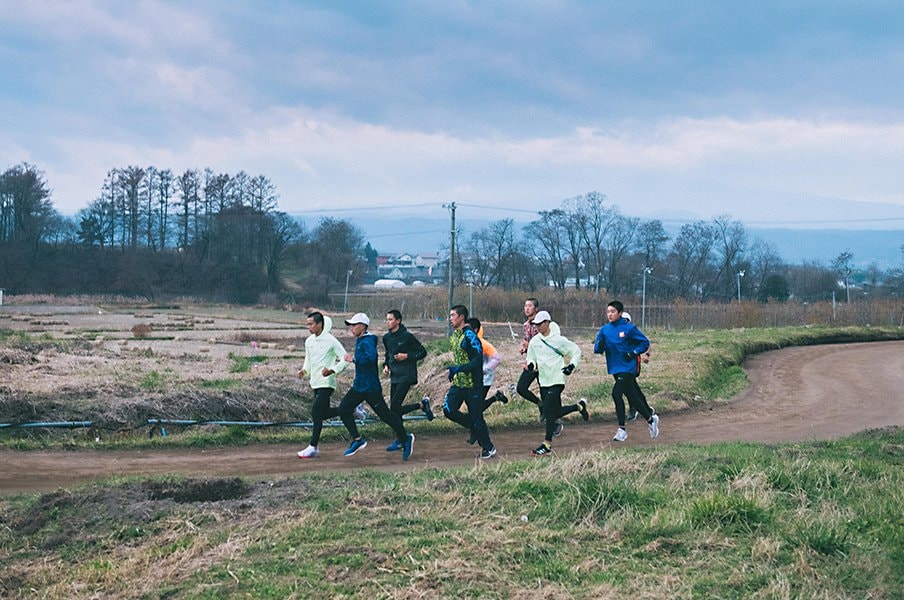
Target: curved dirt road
{"points": [[795, 394]]}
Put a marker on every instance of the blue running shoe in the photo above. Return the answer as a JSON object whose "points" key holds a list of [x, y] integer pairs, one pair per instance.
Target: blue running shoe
{"points": [[408, 446], [355, 446], [395, 446]]}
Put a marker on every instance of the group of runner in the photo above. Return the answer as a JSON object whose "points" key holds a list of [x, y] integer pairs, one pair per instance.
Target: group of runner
{"points": [[549, 358]]}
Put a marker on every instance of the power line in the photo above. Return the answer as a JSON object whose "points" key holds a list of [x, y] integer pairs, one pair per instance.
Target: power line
{"points": [[362, 208], [502, 208], [406, 233]]}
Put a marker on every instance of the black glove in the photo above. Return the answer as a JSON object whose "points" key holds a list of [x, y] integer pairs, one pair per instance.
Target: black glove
{"points": [[568, 369], [630, 356], [530, 366], [452, 372]]}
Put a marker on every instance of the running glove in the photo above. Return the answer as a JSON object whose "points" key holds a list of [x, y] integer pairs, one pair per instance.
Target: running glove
{"points": [[568, 369]]}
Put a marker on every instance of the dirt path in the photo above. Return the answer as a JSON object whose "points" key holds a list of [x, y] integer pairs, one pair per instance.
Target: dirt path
{"points": [[796, 394]]}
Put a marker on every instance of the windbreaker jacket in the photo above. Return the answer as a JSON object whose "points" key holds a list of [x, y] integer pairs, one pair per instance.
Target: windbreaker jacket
{"points": [[402, 340], [550, 354], [618, 340], [321, 351], [367, 378], [467, 355]]}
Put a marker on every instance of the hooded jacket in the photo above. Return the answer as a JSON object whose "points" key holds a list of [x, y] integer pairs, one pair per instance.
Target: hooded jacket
{"points": [[550, 354], [402, 341], [622, 342], [323, 351]]}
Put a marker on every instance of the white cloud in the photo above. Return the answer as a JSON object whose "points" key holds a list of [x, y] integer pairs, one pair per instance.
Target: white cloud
{"points": [[319, 157]]}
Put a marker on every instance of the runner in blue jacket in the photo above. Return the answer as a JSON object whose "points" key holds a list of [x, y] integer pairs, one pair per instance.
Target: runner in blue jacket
{"points": [[622, 342], [366, 388]]}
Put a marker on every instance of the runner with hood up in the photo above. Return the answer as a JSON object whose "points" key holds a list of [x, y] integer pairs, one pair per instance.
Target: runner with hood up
{"points": [[553, 356]]}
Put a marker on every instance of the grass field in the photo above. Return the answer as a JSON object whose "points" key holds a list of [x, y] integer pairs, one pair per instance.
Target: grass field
{"points": [[807, 520], [815, 520]]}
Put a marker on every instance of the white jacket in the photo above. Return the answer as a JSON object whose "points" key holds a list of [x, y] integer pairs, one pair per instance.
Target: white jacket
{"points": [[321, 351], [550, 354]]}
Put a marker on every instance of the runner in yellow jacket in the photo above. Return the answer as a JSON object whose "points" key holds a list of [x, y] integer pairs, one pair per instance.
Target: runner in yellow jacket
{"points": [[554, 357]]}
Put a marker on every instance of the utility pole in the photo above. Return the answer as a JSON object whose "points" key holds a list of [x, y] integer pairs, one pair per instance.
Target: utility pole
{"points": [[451, 208], [348, 274], [740, 274], [643, 310]]}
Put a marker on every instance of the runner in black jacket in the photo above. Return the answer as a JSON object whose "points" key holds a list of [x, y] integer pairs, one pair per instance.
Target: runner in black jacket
{"points": [[403, 352]]}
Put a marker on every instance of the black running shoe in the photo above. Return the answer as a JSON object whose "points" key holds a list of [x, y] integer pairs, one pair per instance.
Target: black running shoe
{"points": [[542, 450], [582, 407]]}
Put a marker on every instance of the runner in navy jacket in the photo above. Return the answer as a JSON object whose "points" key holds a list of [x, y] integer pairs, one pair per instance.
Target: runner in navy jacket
{"points": [[366, 388]]}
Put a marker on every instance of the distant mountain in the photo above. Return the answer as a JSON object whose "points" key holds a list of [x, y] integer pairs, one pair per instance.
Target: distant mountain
{"points": [[796, 246]]}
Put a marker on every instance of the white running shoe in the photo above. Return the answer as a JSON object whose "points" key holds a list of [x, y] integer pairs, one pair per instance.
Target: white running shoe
{"points": [[309, 452], [620, 435], [360, 413], [653, 426]]}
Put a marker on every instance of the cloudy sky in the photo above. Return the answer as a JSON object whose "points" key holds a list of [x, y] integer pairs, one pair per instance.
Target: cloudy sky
{"points": [[775, 113]]}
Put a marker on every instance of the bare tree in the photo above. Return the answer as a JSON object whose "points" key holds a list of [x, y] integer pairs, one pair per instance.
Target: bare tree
{"points": [[130, 181], [480, 258], [217, 191], [622, 234], [764, 261], [188, 185], [165, 185], [491, 250], [283, 231], [26, 212], [573, 230], [844, 266], [335, 248], [651, 240], [691, 255], [547, 237], [594, 220], [731, 240]]}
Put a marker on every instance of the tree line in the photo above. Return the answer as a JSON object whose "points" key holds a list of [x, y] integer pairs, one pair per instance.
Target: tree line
{"points": [[589, 243], [151, 232]]}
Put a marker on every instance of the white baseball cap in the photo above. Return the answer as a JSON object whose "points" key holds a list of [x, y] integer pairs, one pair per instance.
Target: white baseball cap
{"points": [[541, 316], [626, 315], [358, 318]]}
